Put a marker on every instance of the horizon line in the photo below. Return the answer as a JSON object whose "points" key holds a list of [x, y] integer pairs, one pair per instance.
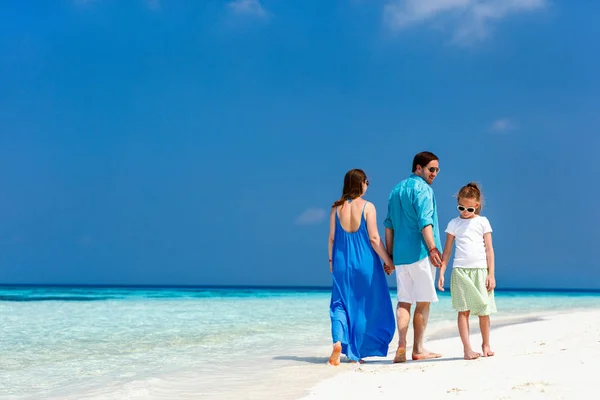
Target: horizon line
{"points": [[252, 287]]}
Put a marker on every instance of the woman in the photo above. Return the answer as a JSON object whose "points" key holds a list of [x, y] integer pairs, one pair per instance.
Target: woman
{"points": [[362, 318]]}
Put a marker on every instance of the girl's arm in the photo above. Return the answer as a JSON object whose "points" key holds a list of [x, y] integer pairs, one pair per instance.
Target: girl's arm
{"points": [[490, 282], [331, 237], [376, 242], [445, 259]]}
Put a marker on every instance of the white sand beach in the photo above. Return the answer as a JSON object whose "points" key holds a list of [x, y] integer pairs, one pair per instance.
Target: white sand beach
{"points": [[553, 357]]}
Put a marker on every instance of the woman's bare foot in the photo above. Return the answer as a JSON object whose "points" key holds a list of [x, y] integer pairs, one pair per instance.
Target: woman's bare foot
{"points": [[425, 355], [487, 351], [400, 356], [471, 355], [334, 359]]}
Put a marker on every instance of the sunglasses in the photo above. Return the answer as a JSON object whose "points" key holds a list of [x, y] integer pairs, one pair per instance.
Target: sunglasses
{"points": [[367, 182], [463, 208], [433, 169]]}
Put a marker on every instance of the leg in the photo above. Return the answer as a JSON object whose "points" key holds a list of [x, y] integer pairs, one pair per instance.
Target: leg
{"points": [[402, 319], [339, 323], [422, 273], [419, 324], [334, 359], [463, 329], [405, 300], [484, 325]]}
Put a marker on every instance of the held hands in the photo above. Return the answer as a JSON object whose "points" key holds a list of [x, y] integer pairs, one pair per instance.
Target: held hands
{"points": [[490, 283], [388, 269], [435, 257], [388, 265]]}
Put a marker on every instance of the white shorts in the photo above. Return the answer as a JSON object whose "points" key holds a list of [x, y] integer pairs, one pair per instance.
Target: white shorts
{"points": [[416, 282]]}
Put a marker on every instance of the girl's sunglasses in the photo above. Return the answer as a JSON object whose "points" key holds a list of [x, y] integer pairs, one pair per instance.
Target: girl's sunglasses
{"points": [[463, 208]]}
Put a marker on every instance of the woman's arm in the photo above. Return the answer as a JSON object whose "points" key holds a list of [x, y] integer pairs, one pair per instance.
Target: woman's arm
{"points": [[331, 237], [376, 242]]}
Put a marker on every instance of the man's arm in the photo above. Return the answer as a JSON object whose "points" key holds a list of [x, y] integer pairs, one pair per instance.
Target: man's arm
{"points": [[389, 229], [423, 204], [428, 236], [389, 241]]}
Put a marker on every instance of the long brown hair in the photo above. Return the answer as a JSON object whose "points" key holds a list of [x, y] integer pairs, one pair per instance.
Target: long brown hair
{"points": [[353, 189], [472, 191]]}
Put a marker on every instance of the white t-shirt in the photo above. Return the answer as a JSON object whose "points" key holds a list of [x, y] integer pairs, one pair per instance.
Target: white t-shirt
{"points": [[470, 248]]}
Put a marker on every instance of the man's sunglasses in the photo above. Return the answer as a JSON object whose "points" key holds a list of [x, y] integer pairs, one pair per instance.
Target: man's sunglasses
{"points": [[463, 208], [433, 169]]}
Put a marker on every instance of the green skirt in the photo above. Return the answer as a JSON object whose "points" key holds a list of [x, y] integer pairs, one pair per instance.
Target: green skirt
{"points": [[467, 287]]}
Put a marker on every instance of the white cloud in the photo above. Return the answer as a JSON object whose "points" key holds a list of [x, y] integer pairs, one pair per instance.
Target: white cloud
{"points": [[311, 216], [502, 125], [469, 20], [251, 8]]}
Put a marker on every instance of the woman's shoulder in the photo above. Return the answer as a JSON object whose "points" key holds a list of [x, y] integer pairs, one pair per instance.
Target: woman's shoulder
{"points": [[368, 206]]}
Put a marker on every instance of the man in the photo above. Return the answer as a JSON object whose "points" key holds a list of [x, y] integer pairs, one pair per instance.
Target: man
{"points": [[413, 241]]}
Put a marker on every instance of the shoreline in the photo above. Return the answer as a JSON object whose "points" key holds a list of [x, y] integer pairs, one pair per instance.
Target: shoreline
{"points": [[527, 347]]}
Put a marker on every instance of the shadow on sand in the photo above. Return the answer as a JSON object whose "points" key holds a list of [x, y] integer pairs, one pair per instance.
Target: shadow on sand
{"points": [[323, 360]]}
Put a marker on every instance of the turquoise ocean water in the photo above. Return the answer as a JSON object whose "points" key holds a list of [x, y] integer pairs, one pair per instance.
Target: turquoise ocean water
{"points": [[111, 342]]}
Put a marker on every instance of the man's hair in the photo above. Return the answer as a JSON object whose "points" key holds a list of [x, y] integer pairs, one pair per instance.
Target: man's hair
{"points": [[422, 159]]}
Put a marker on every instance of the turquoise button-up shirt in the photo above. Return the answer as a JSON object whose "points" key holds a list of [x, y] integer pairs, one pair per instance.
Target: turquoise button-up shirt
{"points": [[411, 207]]}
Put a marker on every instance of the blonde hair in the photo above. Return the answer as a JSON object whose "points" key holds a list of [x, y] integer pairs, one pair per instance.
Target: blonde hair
{"points": [[472, 191]]}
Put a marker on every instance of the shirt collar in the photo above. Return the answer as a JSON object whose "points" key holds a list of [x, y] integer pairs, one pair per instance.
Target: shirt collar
{"points": [[415, 176]]}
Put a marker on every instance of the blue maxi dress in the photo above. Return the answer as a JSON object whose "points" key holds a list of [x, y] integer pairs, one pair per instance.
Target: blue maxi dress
{"points": [[362, 318]]}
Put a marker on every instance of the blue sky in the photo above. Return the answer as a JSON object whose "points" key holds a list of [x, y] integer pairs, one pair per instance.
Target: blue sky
{"points": [[188, 142]]}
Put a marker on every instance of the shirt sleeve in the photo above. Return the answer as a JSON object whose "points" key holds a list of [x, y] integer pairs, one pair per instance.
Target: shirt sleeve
{"points": [[388, 219], [485, 225], [423, 203], [451, 229]]}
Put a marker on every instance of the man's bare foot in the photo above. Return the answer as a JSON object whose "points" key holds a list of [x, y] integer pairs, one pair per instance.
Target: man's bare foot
{"points": [[334, 359], [425, 355], [471, 355], [400, 355], [487, 352]]}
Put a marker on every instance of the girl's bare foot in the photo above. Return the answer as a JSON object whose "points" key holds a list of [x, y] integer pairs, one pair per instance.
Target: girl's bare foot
{"points": [[471, 355], [487, 351], [400, 355], [334, 359]]}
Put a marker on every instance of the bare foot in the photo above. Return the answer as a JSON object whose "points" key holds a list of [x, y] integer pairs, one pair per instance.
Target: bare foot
{"points": [[334, 359], [487, 352], [425, 355], [361, 361], [471, 355], [400, 355]]}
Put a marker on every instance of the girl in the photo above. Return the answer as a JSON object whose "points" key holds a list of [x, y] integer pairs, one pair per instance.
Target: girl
{"points": [[472, 281], [362, 318]]}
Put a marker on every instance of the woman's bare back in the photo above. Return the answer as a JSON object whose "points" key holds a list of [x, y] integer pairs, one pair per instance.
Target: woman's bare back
{"points": [[350, 214]]}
